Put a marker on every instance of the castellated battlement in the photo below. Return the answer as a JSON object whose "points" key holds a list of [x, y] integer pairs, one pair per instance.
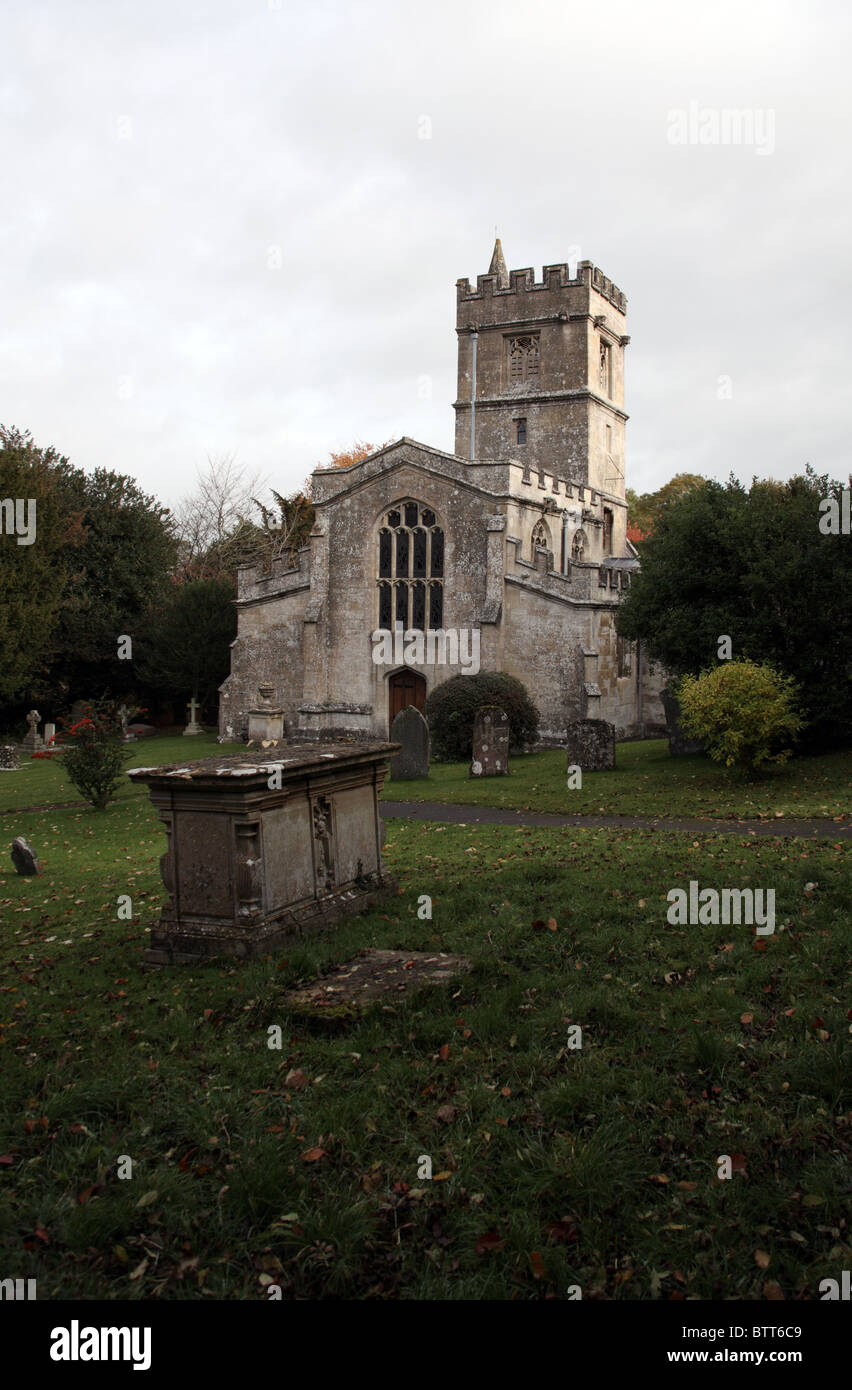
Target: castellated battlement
{"points": [[554, 277]]}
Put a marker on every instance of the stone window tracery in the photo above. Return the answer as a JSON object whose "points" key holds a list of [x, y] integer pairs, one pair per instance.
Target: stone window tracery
{"points": [[411, 568], [540, 537], [522, 356]]}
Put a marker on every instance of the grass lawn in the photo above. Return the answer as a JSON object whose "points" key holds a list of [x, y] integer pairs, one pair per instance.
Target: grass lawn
{"points": [[552, 1167], [41, 781], [646, 782]]}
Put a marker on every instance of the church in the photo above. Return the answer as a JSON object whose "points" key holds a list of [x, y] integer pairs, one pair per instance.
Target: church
{"points": [[514, 546]]}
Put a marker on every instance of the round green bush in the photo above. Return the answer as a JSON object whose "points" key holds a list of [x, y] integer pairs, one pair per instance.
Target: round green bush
{"points": [[745, 713], [451, 709]]}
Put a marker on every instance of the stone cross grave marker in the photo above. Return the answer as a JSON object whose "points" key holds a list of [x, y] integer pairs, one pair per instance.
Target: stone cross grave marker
{"points": [[32, 738], [490, 742], [591, 745], [411, 730], [193, 727]]}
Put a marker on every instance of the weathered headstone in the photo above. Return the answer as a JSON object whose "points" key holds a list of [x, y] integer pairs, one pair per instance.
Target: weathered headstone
{"points": [[124, 715], [680, 743], [193, 727], [9, 760], [411, 730], [490, 742], [591, 745], [49, 734], [142, 730], [24, 857], [33, 741]]}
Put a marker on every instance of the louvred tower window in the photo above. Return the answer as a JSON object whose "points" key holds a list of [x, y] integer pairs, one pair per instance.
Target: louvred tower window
{"points": [[522, 353]]}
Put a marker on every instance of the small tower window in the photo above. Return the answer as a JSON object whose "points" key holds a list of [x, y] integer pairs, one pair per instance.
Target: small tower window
{"points": [[521, 431], [606, 368], [607, 531]]}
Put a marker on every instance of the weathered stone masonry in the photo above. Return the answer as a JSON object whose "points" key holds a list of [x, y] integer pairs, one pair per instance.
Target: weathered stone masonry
{"points": [[535, 553]]}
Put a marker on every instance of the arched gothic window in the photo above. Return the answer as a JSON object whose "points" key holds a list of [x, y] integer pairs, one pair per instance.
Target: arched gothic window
{"points": [[411, 568], [578, 546], [540, 537]]}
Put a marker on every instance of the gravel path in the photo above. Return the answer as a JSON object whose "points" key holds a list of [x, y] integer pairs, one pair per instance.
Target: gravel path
{"points": [[778, 828]]}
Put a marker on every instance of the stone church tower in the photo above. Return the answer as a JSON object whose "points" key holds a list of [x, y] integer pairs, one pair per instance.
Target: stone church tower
{"points": [[517, 539], [547, 361]]}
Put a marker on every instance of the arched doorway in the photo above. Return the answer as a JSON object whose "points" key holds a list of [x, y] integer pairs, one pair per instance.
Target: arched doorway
{"points": [[405, 688]]}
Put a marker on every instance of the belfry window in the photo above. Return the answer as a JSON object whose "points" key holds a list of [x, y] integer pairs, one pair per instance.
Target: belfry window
{"points": [[411, 568], [521, 431], [522, 353]]}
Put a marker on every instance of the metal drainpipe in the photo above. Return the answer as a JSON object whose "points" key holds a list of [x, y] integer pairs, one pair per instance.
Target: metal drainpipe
{"points": [[475, 337]]}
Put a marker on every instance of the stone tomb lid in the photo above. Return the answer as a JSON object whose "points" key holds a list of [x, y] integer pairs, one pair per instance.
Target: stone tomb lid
{"points": [[294, 759], [373, 976]]}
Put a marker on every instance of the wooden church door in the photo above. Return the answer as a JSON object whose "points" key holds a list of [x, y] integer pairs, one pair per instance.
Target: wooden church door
{"points": [[406, 688]]}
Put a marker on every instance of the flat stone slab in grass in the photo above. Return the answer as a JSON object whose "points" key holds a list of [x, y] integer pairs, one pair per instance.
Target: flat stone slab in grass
{"points": [[373, 976]]}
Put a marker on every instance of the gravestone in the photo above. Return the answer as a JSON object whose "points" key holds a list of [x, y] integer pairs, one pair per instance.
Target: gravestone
{"points": [[124, 715], [24, 857], [9, 760], [49, 734], [142, 730], [410, 729], [263, 848], [193, 727], [490, 742], [680, 743], [33, 741], [591, 745]]}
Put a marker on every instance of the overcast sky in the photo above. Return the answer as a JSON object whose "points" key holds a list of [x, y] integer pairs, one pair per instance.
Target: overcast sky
{"points": [[236, 226]]}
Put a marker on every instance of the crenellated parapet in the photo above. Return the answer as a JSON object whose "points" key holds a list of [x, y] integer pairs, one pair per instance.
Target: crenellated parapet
{"points": [[554, 277]]}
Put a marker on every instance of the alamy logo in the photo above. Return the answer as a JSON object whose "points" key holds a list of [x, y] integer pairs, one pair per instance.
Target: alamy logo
{"points": [[434, 647], [708, 907], [76, 1343], [18, 518], [724, 125], [17, 1289], [835, 519]]}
